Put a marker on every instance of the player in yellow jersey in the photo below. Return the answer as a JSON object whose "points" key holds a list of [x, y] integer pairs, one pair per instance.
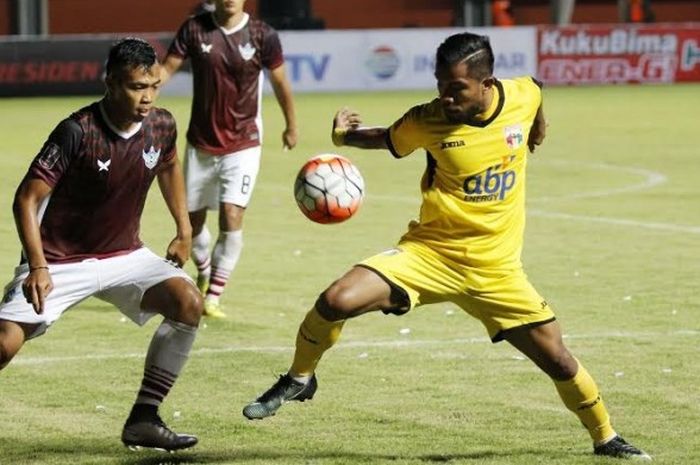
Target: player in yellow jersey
{"points": [[465, 247]]}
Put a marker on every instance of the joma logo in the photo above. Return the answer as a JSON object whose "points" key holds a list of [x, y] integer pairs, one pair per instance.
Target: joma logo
{"points": [[450, 144]]}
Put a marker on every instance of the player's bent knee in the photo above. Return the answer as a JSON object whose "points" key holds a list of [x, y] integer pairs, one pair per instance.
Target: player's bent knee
{"points": [[563, 366], [12, 338], [190, 306], [6, 355], [338, 302], [324, 308]]}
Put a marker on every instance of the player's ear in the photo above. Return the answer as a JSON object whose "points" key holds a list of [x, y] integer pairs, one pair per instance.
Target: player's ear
{"points": [[488, 82], [109, 79], [111, 82]]}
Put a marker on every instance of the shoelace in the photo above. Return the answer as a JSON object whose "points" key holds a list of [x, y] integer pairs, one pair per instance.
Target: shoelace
{"points": [[628, 448], [165, 430], [275, 391], [623, 446]]}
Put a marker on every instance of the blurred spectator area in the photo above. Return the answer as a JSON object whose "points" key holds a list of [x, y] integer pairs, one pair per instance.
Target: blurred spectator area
{"points": [[121, 16]]}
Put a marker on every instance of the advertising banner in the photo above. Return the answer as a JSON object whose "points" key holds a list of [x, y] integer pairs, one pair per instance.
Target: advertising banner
{"points": [[67, 67], [619, 53], [391, 58], [316, 61], [71, 65]]}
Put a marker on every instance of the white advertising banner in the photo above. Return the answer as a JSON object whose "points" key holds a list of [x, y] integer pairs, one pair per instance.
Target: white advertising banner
{"points": [[380, 59], [383, 59]]}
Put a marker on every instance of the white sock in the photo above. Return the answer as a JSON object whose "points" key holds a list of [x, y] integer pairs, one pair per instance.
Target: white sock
{"points": [[166, 356], [224, 258], [200, 252], [300, 379]]}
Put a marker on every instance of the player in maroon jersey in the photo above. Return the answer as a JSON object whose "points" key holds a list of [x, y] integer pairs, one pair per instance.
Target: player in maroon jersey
{"points": [[78, 211], [229, 51]]}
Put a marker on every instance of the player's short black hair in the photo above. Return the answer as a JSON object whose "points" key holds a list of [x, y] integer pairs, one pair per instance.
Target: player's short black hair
{"points": [[474, 49], [130, 52]]}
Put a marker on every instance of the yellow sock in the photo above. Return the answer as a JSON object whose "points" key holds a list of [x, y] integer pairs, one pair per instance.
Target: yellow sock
{"points": [[316, 335], [580, 395]]}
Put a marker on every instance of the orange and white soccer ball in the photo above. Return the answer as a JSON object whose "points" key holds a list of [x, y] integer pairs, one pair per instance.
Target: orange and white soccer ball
{"points": [[329, 189]]}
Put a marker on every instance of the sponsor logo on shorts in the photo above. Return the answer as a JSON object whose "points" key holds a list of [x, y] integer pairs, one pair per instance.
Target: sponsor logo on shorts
{"points": [[391, 252], [172, 263]]}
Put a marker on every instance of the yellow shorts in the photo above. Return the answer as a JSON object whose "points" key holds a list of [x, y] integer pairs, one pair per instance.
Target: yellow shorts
{"points": [[500, 299]]}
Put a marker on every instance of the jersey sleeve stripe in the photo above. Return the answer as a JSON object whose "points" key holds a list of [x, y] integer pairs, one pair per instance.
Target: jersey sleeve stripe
{"points": [[390, 145]]}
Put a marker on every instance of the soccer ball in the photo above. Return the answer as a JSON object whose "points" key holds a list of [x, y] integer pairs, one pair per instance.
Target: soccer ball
{"points": [[329, 189]]}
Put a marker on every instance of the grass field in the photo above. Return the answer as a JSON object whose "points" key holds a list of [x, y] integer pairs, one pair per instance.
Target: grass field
{"points": [[612, 242]]}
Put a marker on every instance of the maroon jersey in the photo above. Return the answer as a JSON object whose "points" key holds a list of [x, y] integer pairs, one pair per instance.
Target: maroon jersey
{"points": [[227, 74], [100, 180]]}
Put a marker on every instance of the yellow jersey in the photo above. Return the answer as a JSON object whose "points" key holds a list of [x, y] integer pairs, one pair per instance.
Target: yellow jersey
{"points": [[473, 209]]}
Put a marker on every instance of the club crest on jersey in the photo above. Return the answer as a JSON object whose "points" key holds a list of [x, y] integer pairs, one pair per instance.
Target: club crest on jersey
{"points": [[206, 48], [103, 165], [514, 136], [247, 51], [151, 157]]}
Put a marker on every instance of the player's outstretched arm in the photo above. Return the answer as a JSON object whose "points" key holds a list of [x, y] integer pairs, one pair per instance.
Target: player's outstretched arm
{"points": [[30, 195], [283, 93], [172, 186], [537, 131], [347, 131], [169, 67]]}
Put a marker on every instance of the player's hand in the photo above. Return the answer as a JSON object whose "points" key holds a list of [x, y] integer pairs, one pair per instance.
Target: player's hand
{"points": [[343, 121], [289, 138], [179, 250], [346, 119], [537, 131], [37, 287]]}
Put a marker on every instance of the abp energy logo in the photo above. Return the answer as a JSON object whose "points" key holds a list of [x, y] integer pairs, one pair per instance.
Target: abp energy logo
{"points": [[383, 62], [492, 184]]}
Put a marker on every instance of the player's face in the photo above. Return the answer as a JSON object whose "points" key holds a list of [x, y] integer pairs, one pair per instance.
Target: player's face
{"points": [[134, 91], [462, 96], [230, 7]]}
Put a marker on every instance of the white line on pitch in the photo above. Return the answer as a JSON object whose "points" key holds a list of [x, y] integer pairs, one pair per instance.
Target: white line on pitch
{"points": [[397, 344], [653, 178], [617, 221]]}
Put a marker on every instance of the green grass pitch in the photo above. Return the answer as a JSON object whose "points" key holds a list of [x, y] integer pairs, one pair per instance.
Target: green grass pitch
{"points": [[611, 242]]}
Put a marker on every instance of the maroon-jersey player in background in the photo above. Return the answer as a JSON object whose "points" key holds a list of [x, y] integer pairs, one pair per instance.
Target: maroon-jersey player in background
{"points": [[228, 51], [78, 211]]}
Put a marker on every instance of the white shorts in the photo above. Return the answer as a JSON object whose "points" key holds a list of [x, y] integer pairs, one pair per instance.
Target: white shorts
{"points": [[212, 179], [121, 281]]}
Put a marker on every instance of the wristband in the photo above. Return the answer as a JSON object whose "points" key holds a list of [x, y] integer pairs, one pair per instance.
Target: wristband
{"points": [[338, 136]]}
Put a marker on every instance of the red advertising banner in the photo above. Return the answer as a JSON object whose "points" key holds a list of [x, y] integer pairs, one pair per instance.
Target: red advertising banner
{"points": [[71, 65], [619, 53]]}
